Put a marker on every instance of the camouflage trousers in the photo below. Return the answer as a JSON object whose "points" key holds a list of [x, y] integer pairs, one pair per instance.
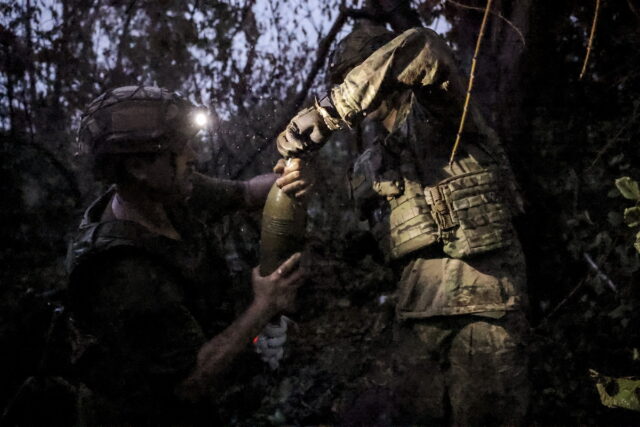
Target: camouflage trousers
{"points": [[455, 370]]}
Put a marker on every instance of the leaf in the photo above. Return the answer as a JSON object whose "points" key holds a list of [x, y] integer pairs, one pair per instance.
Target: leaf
{"points": [[617, 392], [637, 244], [628, 188], [632, 216]]}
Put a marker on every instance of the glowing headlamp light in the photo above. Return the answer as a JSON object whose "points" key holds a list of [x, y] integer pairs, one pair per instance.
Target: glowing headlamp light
{"points": [[200, 119]]}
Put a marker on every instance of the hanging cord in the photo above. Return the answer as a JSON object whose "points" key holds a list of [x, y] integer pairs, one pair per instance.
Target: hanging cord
{"points": [[474, 61], [497, 14], [591, 36]]}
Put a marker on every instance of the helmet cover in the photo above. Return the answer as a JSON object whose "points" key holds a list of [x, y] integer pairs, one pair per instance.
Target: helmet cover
{"points": [[136, 119]]}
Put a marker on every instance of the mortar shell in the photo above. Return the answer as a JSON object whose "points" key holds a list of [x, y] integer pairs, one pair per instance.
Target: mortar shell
{"points": [[283, 229]]}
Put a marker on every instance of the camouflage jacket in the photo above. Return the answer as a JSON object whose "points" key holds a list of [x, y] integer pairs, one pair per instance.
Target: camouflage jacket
{"points": [[144, 304], [408, 96], [416, 80]]}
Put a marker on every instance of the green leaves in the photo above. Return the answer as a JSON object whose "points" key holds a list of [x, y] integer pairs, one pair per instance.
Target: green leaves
{"points": [[617, 392], [632, 216], [628, 188]]}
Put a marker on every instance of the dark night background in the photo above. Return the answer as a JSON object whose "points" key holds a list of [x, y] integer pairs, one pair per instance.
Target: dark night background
{"points": [[254, 63]]}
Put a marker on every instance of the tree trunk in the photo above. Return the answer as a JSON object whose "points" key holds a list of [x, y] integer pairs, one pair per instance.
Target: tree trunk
{"points": [[31, 70]]}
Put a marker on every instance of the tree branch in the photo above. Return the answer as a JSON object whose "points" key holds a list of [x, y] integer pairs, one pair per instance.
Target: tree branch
{"points": [[474, 61], [591, 36], [561, 304], [633, 9], [497, 14], [117, 69], [611, 142], [294, 106], [31, 70]]}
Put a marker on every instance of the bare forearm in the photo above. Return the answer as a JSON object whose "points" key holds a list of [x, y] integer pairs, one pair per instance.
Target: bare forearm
{"points": [[272, 294], [216, 193], [228, 195], [215, 356], [256, 190]]}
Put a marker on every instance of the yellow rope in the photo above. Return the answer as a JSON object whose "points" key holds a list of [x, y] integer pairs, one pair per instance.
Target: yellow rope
{"points": [[471, 78]]}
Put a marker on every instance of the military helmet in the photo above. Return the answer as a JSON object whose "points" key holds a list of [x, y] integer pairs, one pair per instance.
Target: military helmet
{"points": [[355, 48], [137, 119]]}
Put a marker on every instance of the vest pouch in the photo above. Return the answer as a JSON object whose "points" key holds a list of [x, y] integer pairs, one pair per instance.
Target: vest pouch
{"points": [[475, 201], [411, 224]]}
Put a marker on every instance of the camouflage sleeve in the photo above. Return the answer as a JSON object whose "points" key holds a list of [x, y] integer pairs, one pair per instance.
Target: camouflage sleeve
{"points": [[151, 339], [417, 59], [217, 196]]}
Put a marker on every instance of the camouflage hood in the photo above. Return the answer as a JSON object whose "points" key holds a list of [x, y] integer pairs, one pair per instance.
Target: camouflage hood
{"points": [[355, 48]]}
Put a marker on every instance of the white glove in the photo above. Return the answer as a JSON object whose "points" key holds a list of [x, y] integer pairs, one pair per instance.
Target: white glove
{"points": [[270, 343]]}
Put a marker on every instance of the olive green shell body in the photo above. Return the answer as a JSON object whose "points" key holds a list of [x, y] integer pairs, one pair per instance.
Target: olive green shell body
{"points": [[283, 228]]}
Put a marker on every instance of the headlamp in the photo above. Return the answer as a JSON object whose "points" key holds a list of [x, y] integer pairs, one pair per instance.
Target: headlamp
{"points": [[199, 118]]}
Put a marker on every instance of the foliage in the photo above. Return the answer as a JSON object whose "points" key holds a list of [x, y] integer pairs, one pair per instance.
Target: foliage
{"points": [[618, 392], [630, 190]]}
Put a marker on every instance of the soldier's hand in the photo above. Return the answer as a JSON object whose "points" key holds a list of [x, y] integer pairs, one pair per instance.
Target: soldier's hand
{"points": [[297, 177], [279, 167], [277, 291], [307, 131]]}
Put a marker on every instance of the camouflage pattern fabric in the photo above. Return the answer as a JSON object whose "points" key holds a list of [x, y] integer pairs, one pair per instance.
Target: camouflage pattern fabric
{"points": [[460, 213], [355, 48], [458, 356], [437, 285], [415, 80], [462, 217], [462, 370], [132, 119], [482, 369]]}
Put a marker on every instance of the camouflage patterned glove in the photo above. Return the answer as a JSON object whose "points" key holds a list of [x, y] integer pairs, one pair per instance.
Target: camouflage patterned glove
{"points": [[306, 132], [270, 343]]}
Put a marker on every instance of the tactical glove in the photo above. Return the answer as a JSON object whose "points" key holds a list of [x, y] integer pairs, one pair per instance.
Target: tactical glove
{"points": [[306, 132], [309, 129]]}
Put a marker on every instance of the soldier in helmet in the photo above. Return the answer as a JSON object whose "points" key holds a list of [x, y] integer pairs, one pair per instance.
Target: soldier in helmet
{"points": [[458, 347], [147, 289]]}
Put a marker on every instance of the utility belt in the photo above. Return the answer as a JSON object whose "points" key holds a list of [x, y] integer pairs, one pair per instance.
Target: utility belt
{"points": [[467, 213]]}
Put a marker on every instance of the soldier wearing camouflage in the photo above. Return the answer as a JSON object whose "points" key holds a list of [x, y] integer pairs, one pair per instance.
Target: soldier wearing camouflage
{"points": [[447, 228], [148, 284]]}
